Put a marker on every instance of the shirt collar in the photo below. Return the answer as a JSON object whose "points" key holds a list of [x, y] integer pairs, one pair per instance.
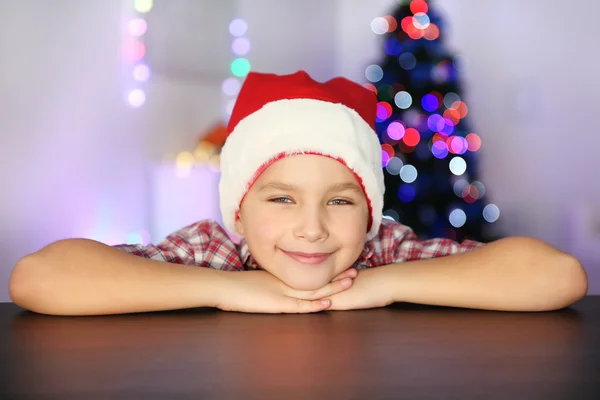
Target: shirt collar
{"points": [[247, 260]]}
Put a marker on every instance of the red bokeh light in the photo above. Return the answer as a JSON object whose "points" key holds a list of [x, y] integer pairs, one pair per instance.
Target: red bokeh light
{"points": [[417, 6], [134, 50], [388, 149], [432, 32], [474, 141], [412, 137], [392, 23]]}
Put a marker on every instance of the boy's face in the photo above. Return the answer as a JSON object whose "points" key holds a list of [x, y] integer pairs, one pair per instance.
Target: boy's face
{"points": [[307, 204]]}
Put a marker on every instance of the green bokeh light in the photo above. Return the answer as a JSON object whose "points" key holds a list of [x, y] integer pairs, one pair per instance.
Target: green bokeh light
{"points": [[240, 67]]}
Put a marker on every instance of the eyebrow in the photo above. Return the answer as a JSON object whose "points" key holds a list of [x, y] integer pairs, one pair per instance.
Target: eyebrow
{"points": [[334, 187]]}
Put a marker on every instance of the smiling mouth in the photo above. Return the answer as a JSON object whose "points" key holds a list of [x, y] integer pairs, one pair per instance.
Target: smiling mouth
{"points": [[308, 258]]}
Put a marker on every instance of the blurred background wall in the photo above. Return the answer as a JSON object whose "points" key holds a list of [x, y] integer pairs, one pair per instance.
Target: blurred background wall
{"points": [[83, 157]]}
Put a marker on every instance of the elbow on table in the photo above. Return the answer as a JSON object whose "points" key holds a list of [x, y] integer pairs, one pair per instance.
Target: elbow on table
{"points": [[560, 278], [561, 290], [575, 281], [20, 283], [568, 285], [29, 285]]}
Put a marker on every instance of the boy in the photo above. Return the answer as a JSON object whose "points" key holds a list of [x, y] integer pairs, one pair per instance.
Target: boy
{"points": [[302, 183]]}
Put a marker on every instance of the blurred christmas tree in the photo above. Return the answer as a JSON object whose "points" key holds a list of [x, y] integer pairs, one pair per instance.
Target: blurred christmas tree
{"points": [[429, 150]]}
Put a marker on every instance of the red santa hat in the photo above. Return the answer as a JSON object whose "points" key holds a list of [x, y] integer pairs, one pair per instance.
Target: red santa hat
{"points": [[281, 115]]}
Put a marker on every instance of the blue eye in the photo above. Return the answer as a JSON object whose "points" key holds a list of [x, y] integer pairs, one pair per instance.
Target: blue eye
{"points": [[340, 202], [280, 200]]}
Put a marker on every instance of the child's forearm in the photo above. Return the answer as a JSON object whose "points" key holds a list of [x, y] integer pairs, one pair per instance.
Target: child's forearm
{"points": [[513, 274], [84, 277]]}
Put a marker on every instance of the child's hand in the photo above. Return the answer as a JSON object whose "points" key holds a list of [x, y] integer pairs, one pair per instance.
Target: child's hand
{"points": [[261, 292], [369, 290]]}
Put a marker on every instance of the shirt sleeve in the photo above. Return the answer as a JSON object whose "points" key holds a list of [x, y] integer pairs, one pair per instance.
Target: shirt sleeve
{"points": [[399, 243], [203, 244], [175, 248]]}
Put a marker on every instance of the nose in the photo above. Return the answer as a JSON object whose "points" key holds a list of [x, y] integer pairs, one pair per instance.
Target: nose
{"points": [[311, 224]]}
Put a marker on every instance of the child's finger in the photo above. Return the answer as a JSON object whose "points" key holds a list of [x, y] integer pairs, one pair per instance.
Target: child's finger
{"points": [[349, 273], [306, 306], [326, 291]]}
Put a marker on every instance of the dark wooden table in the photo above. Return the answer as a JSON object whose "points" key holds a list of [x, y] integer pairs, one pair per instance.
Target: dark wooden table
{"points": [[402, 351]]}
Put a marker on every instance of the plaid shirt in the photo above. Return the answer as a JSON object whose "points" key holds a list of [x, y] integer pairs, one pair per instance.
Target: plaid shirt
{"points": [[206, 244]]}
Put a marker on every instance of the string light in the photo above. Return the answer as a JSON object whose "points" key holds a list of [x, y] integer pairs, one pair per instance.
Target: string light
{"points": [[207, 152], [136, 69], [240, 66], [136, 73]]}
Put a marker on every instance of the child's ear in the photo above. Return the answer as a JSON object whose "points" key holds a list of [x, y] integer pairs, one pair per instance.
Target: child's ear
{"points": [[239, 227]]}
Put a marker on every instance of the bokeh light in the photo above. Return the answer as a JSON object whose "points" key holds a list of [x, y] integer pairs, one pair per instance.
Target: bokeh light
{"points": [[418, 6], [403, 100], [134, 50], [414, 33], [407, 61], [491, 213], [412, 117], [240, 67], [480, 188], [461, 108], [421, 20], [391, 214], [238, 27], [430, 102], [136, 98], [470, 194], [141, 72], [394, 166], [392, 46], [406, 23], [143, 6], [458, 166], [448, 128], [408, 173], [185, 159], [457, 218], [384, 111], [137, 27], [406, 193], [436, 123], [459, 186], [412, 137], [374, 73], [439, 149], [432, 32], [231, 86], [473, 142], [457, 145], [450, 98], [385, 158], [442, 72], [240, 46], [371, 87], [396, 130], [140, 237], [388, 149], [380, 25], [452, 115], [392, 23]]}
